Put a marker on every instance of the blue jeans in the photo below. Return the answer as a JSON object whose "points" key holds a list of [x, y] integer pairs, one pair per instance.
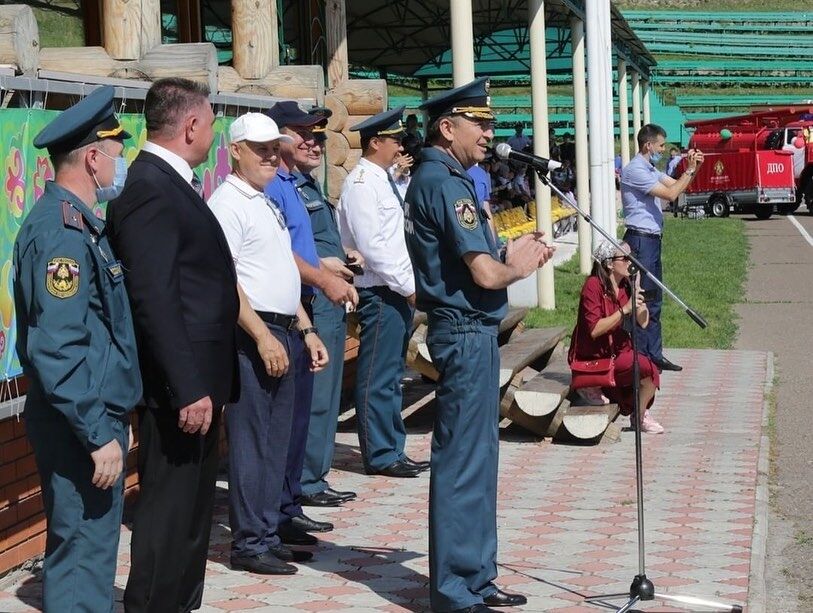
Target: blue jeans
{"points": [[465, 455], [648, 250], [327, 390], [385, 319], [258, 427]]}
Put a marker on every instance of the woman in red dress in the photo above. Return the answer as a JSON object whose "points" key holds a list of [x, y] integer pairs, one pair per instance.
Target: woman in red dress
{"points": [[599, 333]]}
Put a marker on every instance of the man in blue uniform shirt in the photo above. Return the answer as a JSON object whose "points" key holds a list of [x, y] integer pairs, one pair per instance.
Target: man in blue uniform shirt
{"points": [[76, 343], [298, 125], [461, 284]]}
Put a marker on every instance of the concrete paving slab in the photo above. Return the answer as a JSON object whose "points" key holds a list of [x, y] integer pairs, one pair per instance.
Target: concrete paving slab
{"points": [[566, 514]]}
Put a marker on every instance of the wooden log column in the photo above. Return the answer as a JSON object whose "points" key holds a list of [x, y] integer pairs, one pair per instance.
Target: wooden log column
{"points": [[19, 37], [338, 68], [255, 37], [130, 29]]}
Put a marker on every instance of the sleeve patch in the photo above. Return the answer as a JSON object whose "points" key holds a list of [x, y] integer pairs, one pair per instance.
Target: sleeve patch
{"points": [[466, 213], [62, 278]]}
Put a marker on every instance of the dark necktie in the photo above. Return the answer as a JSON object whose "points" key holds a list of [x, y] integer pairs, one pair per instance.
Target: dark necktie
{"points": [[197, 185], [395, 189]]}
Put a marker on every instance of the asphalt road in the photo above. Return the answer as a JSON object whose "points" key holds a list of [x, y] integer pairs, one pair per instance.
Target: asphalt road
{"points": [[776, 316]]}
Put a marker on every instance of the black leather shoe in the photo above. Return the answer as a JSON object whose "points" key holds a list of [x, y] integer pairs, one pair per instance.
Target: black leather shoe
{"points": [[345, 496], [290, 534], [665, 364], [290, 555], [421, 466], [398, 469], [322, 499], [263, 564], [477, 608], [504, 599], [303, 523]]}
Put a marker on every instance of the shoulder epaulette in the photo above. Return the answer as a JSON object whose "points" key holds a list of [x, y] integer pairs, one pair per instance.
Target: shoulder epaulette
{"points": [[71, 217]]}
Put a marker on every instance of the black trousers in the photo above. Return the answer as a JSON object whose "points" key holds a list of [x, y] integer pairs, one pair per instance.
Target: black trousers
{"points": [[173, 515]]}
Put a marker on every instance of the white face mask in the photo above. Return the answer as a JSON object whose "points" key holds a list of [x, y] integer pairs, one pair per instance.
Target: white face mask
{"points": [[104, 194]]}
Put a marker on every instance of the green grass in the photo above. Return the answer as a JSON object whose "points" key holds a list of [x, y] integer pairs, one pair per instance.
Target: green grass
{"points": [[57, 29], [704, 263]]}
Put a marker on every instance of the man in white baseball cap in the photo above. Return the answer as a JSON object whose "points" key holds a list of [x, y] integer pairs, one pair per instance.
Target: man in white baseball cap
{"points": [[259, 424]]}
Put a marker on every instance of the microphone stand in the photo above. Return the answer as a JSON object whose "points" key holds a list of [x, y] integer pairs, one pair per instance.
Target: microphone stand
{"points": [[642, 588]]}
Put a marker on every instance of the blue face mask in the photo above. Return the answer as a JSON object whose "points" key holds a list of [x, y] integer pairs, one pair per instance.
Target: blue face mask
{"points": [[104, 194], [655, 157]]}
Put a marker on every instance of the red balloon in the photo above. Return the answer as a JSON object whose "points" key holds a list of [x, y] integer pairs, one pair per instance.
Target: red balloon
{"points": [[799, 142]]}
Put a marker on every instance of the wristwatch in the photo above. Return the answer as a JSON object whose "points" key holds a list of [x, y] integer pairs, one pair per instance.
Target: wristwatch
{"points": [[691, 173], [306, 331]]}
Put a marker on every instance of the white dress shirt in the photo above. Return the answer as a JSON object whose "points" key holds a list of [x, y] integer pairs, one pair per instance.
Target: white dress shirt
{"points": [[179, 164], [260, 245], [371, 220]]}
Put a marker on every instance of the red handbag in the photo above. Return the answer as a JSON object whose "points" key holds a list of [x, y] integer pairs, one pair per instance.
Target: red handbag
{"points": [[595, 372]]}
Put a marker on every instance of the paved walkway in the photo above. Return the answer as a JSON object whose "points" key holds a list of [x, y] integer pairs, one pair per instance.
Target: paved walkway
{"points": [[567, 515]]}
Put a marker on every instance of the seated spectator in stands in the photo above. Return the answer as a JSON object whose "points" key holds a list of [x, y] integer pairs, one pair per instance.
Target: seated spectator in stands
{"points": [[567, 149], [674, 160], [519, 141], [602, 331], [519, 184]]}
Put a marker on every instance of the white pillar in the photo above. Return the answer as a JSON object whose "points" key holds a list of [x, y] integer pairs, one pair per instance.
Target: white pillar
{"points": [[647, 114], [462, 42], [608, 156], [636, 104], [582, 160], [623, 113], [599, 54], [539, 101]]}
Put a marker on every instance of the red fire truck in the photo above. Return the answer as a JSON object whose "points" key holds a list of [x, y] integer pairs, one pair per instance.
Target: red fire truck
{"points": [[757, 163]]}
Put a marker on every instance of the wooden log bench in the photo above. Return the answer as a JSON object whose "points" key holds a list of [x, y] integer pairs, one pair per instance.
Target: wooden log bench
{"points": [[588, 424], [535, 403], [527, 349]]}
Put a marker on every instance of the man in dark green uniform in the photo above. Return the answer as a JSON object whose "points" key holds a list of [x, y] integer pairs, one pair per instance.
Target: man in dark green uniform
{"points": [[331, 321], [461, 284], [76, 344]]}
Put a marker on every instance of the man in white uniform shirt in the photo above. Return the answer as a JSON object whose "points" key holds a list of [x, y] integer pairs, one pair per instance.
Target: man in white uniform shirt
{"points": [[259, 424], [371, 220]]}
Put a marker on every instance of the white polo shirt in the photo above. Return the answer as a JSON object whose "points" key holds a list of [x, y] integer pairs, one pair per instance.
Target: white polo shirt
{"points": [[371, 220], [260, 245]]}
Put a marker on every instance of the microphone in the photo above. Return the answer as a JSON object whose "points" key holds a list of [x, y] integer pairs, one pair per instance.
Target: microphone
{"points": [[504, 151]]}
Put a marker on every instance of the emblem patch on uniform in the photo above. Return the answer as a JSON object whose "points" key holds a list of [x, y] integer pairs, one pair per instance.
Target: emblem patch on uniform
{"points": [[466, 213], [62, 279]]}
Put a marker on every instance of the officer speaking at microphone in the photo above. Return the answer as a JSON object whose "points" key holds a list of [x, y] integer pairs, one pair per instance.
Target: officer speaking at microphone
{"points": [[77, 347], [461, 284]]}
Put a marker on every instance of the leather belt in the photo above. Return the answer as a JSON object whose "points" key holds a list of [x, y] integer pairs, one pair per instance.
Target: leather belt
{"points": [[277, 319], [635, 232]]}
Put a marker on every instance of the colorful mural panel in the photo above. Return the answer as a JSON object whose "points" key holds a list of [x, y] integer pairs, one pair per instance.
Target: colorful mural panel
{"points": [[25, 170]]}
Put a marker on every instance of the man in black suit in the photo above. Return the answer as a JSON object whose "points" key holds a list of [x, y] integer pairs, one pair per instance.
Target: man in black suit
{"points": [[182, 288]]}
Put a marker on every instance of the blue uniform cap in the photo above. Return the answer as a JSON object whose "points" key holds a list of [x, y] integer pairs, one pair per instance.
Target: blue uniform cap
{"points": [[471, 100], [320, 129], [387, 123], [89, 120], [287, 113]]}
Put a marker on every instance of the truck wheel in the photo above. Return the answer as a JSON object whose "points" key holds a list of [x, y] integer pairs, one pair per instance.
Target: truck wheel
{"points": [[718, 206], [763, 212]]}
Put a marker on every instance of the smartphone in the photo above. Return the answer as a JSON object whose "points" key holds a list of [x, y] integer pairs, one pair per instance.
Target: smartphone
{"points": [[650, 295], [356, 269]]}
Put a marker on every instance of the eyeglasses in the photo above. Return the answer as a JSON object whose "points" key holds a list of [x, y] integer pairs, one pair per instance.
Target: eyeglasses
{"points": [[621, 258]]}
